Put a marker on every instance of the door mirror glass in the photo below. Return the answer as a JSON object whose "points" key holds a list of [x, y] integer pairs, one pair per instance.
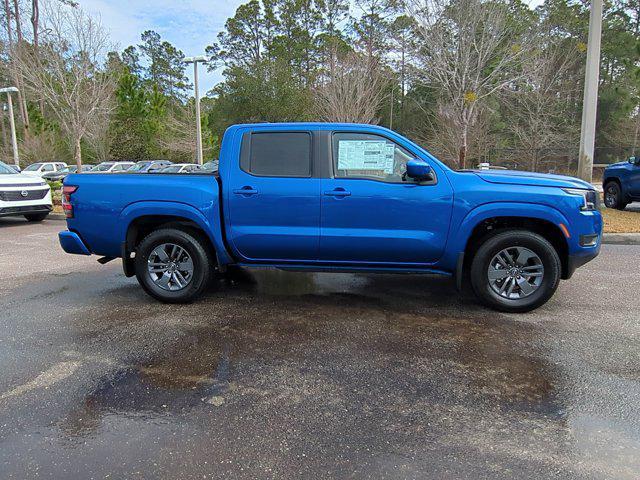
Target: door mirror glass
{"points": [[634, 160], [419, 170]]}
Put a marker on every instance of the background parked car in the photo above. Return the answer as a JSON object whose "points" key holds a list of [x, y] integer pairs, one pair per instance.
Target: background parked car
{"points": [[148, 166], [21, 194], [112, 167], [211, 166], [40, 168], [621, 183], [182, 168], [60, 174]]}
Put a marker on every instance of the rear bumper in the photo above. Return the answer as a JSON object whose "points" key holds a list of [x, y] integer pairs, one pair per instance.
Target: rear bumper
{"points": [[72, 243], [25, 209]]}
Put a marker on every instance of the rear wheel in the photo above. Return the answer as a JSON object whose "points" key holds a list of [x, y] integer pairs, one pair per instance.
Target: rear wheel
{"points": [[173, 266], [613, 196], [515, 271], [36, 217]]}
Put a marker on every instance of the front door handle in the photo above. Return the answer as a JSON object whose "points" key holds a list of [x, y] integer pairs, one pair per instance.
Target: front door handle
{"points": [[246, 190], [338, 192]]}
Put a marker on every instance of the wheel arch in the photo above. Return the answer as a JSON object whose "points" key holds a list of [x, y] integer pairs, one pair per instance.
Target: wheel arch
{"points": [[138, 220], [494, 225], [489, 218]]}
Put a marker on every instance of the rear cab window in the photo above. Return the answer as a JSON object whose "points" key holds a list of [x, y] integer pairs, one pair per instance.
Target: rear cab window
{"points": [[277, 154]]}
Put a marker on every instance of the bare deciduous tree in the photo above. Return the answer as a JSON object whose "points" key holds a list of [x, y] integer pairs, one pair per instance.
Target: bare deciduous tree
{"points": [[469, 49], [17, 80], [537, 110], [352, 92], [66, 72]]}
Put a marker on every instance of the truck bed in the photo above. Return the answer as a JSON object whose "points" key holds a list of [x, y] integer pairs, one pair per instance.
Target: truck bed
{"points": [[104, 203]]}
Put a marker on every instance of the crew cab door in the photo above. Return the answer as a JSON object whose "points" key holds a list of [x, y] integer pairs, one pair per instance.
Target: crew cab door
{"points": [[273, 198], [371, 215]]}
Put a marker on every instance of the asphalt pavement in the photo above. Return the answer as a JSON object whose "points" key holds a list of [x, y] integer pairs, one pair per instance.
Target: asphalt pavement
{"points": [[296, 375]]}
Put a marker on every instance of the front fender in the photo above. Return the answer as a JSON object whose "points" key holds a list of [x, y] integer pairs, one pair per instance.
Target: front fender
{"points": [[460, 235], [210, 225]]}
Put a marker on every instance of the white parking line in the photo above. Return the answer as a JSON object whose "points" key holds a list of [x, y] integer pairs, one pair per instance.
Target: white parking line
{"points": [[49, 377]]}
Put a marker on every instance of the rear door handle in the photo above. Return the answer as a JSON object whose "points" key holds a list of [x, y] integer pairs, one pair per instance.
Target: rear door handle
{"points": [[338, 192], [246, 190]]}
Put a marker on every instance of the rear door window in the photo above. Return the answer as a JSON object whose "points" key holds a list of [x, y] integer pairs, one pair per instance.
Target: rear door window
{"points": [[278, 154]]}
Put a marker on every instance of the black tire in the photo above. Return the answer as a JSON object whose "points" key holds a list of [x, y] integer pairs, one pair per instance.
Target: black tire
{"points": [[512, 239], [36, 217], [613, 196], [195, 246]]}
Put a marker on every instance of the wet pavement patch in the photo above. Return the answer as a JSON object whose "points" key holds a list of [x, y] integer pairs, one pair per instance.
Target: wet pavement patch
{"points": [[278, 374]]}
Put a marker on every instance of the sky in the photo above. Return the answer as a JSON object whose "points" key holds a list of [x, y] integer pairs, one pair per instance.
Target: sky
{"points": [[190, 25]]}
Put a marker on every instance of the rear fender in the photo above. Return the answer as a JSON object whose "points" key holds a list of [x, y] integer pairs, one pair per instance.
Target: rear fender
{"points": [[211, 226]]}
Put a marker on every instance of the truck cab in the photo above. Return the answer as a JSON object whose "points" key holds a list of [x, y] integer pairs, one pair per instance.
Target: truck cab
{"points": [[337, 197]]}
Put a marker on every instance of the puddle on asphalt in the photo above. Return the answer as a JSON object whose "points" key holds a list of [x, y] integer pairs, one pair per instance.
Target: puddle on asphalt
{"points": [[342, 330]]}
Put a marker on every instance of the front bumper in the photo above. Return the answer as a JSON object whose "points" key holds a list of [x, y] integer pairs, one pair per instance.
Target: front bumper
{"points": [[575, 261], [72, 243], [24, 209]]}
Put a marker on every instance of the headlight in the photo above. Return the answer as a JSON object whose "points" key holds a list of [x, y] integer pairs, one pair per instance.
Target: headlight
{"points": [[590, 198]]}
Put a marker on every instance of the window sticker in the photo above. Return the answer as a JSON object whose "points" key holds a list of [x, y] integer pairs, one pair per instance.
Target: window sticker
{"points": [[365, 155]]}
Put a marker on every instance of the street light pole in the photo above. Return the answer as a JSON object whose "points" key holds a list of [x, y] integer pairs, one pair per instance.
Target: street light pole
{"points": [[195, 61], [14, 141], [590, 101]]}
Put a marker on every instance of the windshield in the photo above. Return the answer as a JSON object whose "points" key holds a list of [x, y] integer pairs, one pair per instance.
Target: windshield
{"points": [[172, 169], [6, 169], [139, 166], [68, 169], [33, 168], [103, 167]]}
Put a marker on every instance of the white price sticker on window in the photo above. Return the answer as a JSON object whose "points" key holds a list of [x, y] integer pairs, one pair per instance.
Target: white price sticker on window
{"points": [[365, 155]]}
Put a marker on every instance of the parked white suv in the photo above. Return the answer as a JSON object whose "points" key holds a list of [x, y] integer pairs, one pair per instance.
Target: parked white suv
{"points": [[40, 168], [23, 195]]}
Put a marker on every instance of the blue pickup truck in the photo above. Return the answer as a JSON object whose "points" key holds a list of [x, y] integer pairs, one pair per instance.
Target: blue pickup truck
{"points": [[621, 183], [340, 198]]}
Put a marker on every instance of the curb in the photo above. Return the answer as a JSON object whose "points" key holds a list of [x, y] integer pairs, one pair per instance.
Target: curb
{"points": [[621, 238]]}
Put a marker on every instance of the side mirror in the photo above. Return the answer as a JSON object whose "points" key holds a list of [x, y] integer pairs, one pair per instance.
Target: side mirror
{"points": [[419, 170]]}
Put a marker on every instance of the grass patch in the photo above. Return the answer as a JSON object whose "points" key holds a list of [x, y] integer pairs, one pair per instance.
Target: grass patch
{"points": [[617, 221]]}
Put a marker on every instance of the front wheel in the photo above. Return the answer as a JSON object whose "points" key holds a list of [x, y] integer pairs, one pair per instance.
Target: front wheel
{"points": [[515, 271], [173, 266], [613, 196]]}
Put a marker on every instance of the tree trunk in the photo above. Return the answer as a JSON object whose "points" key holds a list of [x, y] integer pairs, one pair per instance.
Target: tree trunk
{"points": [[462, 153], [4, 131], [16, 9], [35, 20], [78, 154], [7, 14]]}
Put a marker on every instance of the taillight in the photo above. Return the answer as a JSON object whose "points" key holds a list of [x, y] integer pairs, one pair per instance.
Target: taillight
{"points": [[67, 190]]}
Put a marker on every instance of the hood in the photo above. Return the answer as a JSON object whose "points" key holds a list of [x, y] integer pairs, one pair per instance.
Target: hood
{"points": [[514, 177], [8, 180], [617, 164]]}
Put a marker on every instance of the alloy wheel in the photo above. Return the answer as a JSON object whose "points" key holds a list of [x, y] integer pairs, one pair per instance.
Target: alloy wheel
{"points": [[170, 267], [515, 273]]}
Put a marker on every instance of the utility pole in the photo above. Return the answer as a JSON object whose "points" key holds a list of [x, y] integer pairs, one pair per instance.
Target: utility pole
{"points": [[14, 141], [195, 61], [590, 100]]}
